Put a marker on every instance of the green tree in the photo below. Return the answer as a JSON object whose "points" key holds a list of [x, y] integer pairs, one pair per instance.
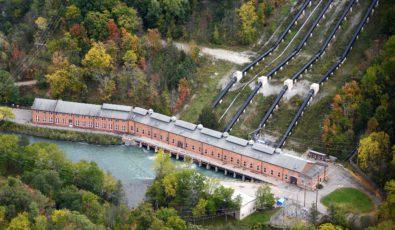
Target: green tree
{"points": [[2, 215], [89, 176], [46, 181], [338, 216], [127, 17], [384, 225], [387, 208], [222, 199], [261, 13], [8, 90], [18, 198], [8, 147], [92, 208], [143, 217], [200, 208], [216, 37], [107, 88], [66, 82], [170, 218], [264, 197], [46, 156], [208, 118], [69, 197], [73, 14], [248, 18], [313, 214], [163, 165], [96, 24]]}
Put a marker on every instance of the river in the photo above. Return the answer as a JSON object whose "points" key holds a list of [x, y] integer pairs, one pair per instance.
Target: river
{"points": [[131, 165]]}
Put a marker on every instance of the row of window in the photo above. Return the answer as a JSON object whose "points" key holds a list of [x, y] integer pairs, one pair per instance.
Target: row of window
{"points": [[83, 124], [77, 116]]}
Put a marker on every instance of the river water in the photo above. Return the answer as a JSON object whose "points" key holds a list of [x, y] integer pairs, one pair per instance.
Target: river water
{"points": [[131, 165]]}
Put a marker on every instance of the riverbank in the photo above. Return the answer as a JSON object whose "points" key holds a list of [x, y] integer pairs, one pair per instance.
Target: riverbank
{"points": [[65, 135]]}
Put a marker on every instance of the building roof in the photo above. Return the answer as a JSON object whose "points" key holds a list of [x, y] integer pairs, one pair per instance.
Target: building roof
{"points": [[44, 104], [115, 114], [123, 108], [140, 111], [208, 136], [263, 148], [236, 140], [313, 171], [160, 117], [77, 108], [211, 133], [186, 125]]}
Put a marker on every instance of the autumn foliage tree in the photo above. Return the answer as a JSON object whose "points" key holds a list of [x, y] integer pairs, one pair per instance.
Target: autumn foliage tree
{"points": [[184, 92], [153, 39], [113, 33], [338, 127]]}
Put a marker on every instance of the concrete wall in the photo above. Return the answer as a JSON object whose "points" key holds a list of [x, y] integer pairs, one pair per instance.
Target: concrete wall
{"points": [[246, 210]]}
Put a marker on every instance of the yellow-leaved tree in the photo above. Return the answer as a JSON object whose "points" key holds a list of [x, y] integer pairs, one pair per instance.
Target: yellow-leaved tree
{"points": [[6, 113], [66, 82], [248, 17], [374, 155], [97, 58], [41, 23]]}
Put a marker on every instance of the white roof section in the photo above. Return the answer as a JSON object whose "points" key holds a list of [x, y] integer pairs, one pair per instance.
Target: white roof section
{"points": [[237, 140], [185, 125], [123, 108], [140, 111], [211, 133], [263, 148], [44, 104], [156, 120], [77, 108], [161, 117]]}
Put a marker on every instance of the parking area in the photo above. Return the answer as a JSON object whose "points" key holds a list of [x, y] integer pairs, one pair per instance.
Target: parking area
{"points": [[339, 177]]}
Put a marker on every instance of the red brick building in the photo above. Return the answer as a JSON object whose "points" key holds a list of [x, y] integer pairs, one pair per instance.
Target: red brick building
{"points": [[255, 157]]}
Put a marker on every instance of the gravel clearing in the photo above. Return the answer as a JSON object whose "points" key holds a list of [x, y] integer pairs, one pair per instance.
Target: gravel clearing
{"points": [[239, 58]]}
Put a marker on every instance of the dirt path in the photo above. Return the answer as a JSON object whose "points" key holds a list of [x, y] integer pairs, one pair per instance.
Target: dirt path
{"points": [[239, 58], [26, 83]]}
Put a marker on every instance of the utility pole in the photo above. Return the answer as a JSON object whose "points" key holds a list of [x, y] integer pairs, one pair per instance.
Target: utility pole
{"points": [[297, 204], [316, 199], [304, 200]]}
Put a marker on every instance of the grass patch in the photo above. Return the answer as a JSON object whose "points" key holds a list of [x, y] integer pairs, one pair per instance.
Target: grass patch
{"points": [[259, 217], [351, 199], [208, 76], [66, 135], [253, 221]]}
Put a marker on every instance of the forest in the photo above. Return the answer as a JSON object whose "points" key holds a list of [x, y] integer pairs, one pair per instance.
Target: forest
{"points": [[116, 51], [41, 189]]}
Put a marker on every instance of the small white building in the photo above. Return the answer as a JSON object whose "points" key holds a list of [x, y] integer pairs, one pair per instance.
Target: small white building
{"points": [[247, 206]]}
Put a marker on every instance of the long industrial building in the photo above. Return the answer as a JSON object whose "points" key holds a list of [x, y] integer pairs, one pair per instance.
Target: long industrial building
{"points": [[249, 156]]}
